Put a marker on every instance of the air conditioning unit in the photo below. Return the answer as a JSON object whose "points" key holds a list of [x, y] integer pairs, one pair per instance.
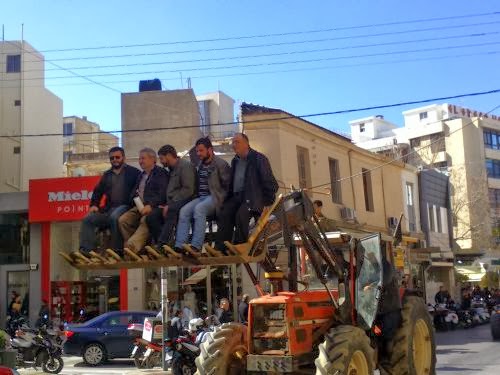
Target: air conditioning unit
{"points": [[348, 213], [392, 222]]}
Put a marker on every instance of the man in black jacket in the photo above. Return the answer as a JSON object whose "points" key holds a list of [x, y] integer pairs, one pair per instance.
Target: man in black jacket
{"points": [[149, 193], [253, 189], [115, 187]]}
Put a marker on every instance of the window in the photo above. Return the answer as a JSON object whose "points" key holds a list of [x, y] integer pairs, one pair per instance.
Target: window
{"points": [[409, 194], [367, 189], [415, 142], [438, 219], [361, 128], [13, 63], [422, 115], [304, 167], [118, 320], [17, 103], [17, 149], [335, 185], [491, 139], [432, 227], [493, 168], [67, 129]]}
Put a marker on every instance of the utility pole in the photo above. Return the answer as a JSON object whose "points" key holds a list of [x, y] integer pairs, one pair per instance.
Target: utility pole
{"points": [[164, 316]]}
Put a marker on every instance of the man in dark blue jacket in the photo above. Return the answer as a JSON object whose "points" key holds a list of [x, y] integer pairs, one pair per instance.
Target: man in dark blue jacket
{"points": [[149, 193], [115, 187], [253, 189]]}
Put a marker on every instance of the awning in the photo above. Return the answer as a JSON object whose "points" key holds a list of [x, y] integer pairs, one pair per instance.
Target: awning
{"points": [[196, 277], [441, 264]]}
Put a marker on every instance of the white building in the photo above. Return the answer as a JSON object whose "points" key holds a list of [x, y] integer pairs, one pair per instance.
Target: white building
{"points": [[26, 108], [217, 114]]}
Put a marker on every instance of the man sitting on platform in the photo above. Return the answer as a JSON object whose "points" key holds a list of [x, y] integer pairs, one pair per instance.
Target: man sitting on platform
{"points": [[148, 194], [180, 190], [214, 178], [115, 186]]}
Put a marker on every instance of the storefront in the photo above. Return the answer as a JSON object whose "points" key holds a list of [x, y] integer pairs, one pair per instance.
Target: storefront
{"points": [[15, 274], [56, 208]]}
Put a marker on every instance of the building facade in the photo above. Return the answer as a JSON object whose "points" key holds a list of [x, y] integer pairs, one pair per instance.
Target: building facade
{"points": [[82, 136], [217, 115], [27, 108]]}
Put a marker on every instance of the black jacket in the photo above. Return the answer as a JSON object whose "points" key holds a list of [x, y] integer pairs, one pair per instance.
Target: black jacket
{"points": [[103, 187], [260, 184], [155, 191], [243, 312]]}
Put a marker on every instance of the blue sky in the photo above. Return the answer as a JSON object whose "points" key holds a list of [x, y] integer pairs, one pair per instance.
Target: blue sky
{"points": [[338, 81]]}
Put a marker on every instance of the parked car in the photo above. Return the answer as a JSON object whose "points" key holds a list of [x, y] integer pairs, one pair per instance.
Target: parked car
{"points": [[103, 337]]}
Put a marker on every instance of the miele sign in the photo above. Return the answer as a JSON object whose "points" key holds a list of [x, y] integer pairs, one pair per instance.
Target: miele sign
{"points": [[60, 199]]}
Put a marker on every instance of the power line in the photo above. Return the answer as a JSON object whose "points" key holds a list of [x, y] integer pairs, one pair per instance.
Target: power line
{"points": [[328, 67], [474, 45], [438, 28], [243, 37], [489, 92], [439, 139], [473, 35]]}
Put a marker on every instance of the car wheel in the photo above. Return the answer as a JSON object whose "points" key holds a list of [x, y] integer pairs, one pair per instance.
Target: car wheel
{"points": [[94, 354]]}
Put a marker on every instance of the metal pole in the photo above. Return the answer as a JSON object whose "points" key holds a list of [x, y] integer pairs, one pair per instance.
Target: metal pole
{"points": [[164, 310], [209, 291], [234, 292]]}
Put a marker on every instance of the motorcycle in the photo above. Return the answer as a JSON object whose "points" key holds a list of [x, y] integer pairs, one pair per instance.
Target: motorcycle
{"points": [[37, 349], [480, 310], [14, 323], [444, 318], [187, 348]]}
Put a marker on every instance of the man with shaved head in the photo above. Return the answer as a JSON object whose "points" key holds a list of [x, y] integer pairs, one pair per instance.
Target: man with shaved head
{"points": [[252, 190]]}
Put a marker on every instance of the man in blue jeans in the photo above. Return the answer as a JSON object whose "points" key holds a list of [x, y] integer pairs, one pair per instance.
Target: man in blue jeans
{"points": [[110, 199], [214, 178]]}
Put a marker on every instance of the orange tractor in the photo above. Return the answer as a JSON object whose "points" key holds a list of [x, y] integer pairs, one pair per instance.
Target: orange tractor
{"points": [[343, 312]]}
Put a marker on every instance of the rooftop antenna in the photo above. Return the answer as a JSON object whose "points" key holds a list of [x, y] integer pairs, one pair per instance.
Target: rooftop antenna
{"points": [[182, 81], [189, 82], [3, 32]]}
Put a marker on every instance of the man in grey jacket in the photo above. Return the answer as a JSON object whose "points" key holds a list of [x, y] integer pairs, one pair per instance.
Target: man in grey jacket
{"points": [[214, 178], [180, 190]]}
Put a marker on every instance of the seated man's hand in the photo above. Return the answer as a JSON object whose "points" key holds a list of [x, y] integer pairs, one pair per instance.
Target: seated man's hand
{"points": [[165, 211], [265, 209], [93, 209], [146, 210]]}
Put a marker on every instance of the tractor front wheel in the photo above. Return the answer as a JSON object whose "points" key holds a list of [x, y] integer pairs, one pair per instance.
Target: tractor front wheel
{"points": [[224, 351], [345, 351], [412, 350]]}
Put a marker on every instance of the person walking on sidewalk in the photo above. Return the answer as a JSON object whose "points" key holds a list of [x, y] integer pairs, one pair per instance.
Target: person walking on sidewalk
{"points": [[115, 186], [148, 194], [253, 189], [180, 190], [214, 178]]}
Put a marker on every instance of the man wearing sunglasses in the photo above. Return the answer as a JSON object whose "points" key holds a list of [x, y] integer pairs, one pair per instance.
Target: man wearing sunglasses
{"points": [[110, 199]]}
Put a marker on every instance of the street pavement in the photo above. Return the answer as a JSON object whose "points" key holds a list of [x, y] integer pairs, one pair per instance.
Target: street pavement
{"points": [[467, 352], [464, 352]]}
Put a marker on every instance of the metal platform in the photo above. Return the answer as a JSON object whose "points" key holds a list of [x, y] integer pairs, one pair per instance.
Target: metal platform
{"points": [[252, 251]]}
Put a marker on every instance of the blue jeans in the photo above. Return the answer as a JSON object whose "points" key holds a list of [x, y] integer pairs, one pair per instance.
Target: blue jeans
{"points": [[198, 209], [102, 220]]}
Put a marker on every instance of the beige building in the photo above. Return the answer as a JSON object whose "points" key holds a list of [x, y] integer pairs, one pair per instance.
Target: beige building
{"points": [[27, 108], [82, 136], [356, 187], [155, 118]]}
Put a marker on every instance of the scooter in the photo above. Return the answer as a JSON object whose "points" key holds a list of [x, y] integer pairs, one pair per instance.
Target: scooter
{"points": [[37, 349], [479, 308], [187, 348]]}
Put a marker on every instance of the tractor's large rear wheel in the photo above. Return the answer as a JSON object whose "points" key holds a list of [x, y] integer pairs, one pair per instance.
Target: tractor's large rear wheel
{"points": [[345, 351], [224, 352], [412, 351]]}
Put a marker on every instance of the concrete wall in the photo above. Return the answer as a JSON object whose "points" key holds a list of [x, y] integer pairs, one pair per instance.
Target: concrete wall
{"points": [[159, 109]]}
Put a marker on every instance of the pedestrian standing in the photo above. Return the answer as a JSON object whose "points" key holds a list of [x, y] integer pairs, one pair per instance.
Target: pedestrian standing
{"points": [[243, 309], [223, 313]]}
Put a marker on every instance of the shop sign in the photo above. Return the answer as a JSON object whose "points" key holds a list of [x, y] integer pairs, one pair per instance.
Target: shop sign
{"points": [[60, 199], [419, 257]]}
